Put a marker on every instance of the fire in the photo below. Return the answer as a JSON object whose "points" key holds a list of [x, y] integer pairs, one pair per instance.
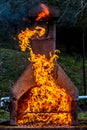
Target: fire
{"points": [[25, 36], [44, 13], [47, 103]]}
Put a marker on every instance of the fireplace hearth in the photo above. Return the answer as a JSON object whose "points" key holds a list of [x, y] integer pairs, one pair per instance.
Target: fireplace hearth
{"points": [[44, 95]]}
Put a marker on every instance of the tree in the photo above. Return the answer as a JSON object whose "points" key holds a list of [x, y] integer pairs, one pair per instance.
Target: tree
{"points": [[72, 12]]}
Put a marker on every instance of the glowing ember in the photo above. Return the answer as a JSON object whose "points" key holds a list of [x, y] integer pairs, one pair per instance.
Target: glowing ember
{"points": [[47, 103], [44, 13]]}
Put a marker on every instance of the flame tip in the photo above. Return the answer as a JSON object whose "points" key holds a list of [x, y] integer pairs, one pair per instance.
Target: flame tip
{"points": [[44, 13]]}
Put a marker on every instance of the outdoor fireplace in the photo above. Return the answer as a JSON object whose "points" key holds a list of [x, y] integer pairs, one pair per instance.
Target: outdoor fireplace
{"points": [[44, 95]]}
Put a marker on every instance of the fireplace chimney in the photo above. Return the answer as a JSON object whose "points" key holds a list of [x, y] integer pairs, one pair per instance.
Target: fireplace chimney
{"points": [[42, 45]]}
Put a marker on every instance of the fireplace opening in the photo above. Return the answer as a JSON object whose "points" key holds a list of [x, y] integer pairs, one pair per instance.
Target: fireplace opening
{"points": [[44, 95], [45, 105]]}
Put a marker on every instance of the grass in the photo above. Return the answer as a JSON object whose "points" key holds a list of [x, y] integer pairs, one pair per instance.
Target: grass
{"points": [[12, 65], [4, 115], [82, 116]]}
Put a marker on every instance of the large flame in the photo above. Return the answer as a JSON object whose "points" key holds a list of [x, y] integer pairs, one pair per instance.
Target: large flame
{"points": [[47, 103], [44, 13]]}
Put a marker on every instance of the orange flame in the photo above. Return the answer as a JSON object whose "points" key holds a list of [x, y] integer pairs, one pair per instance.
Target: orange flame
{"points": [[44, 13], [47, 103], [25, 36]]}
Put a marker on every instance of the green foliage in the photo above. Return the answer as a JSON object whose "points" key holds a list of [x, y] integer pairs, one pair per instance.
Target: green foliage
{"points": [[72, 64], [4, 115], [82, 116], [12, 65]]}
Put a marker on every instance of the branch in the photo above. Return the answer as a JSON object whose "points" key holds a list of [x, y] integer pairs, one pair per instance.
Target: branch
{"points": [[81, 9], [64, 11]]}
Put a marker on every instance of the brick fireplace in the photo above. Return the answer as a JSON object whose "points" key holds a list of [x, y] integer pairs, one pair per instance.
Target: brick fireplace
{"points": [[22, 112]]}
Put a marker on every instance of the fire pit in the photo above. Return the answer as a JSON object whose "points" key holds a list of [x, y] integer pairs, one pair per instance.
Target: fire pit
{"points": [[44, 95]]}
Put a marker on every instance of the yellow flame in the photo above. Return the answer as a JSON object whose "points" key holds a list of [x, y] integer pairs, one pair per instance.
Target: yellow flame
{"points": [[26, 35], [47, 103], [43, 68]]}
